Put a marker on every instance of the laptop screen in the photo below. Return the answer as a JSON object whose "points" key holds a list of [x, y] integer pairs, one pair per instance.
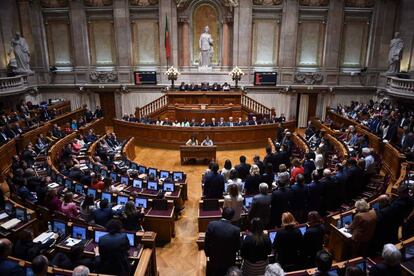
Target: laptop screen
{"points": [[68, 183], [168, 187], [142, 169], [347, 219], [152, 185], [8, 207], [272, 236], [248, 200], [122, 200], [125, 180], [104, 173], [164, 174], [98, 235], [114, 176], [79, 232], [96, 168], [303, 229], [133, 166], [79, 188], [59, 179], [141, 202], [334, 272], [152, 172], [376, 206], [131, 239], [408, 252], [137, 183], [59, 227], [91, 192], [178, 176], [107, 196], [21, 214], [362, 265]]}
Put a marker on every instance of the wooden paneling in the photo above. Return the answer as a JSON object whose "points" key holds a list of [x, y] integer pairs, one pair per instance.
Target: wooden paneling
{"points": [[6, 152], [173, 137], [108, 106], [205, 97], [313, 102]]}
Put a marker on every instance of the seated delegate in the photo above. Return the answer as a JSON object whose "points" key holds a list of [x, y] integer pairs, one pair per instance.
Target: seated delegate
{"points": [[207, 142]]}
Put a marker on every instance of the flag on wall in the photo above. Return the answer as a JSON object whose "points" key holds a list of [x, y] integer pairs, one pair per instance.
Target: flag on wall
{"points": [[167, 40]]}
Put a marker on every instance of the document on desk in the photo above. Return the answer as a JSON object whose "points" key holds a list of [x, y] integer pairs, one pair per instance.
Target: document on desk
{"points": [[10, 224], [71, 242], [44, 237], [3, 215], [344, 231]]}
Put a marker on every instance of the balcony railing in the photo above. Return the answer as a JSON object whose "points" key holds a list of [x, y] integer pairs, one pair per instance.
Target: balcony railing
{"points": [[10, 85], [404, 87]]}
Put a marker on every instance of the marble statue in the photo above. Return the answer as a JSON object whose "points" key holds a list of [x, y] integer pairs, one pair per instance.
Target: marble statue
{"points": [[206, 49], [395, 54], [21, 52]]}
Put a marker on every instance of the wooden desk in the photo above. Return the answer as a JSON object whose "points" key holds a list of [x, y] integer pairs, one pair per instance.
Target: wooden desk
{"points": [[197, 152], [205, 217], [205, 97], [161, 222]]}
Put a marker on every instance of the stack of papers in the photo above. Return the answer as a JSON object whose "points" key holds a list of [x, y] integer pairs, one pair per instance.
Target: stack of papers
{"points": [[72, 242], [44, 237], [53, 185], [10, 224]]}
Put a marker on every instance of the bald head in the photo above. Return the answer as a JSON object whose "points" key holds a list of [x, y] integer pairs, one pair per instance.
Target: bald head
{"points": [[81, 270], [5, 248], [384, 200]]}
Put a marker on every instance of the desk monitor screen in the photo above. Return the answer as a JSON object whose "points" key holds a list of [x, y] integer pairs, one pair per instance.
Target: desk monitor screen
{"points": [[272, 236], [152, 172], [114, 176], [21, 214], [303, 229], [137, 183], [334, 272], [142, 170], [248, 200], [79, 188], [362, 265], [8, 207], [164, 174], [134, 166], [152, 185], [131, 239], [376, 206], [91, 192], [59, 227], [59, 179], [125, 180], [408, 252], [127, 163], [141, 202], [178, 176], [98, 235], [346, 219], [96, 168], [122, 200], [168, 187], [104, 173], [107, 196], [68, 183], [79, 232]]}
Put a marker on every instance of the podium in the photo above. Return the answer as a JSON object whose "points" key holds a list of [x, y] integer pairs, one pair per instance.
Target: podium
{"points": [[198, 153]]}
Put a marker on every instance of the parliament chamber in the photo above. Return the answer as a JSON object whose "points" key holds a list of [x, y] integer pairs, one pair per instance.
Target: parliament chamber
{"points": [[207, 137]]}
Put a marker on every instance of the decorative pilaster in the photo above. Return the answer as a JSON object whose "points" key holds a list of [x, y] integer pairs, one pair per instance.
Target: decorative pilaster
{"points": [[242, 34], [122, 28], [226, 42], [333, 35], [185, 42]]}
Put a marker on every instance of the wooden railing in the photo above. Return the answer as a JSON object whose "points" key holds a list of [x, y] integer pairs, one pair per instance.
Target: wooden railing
{"points": [[401, 85], [152, 107], [255, 106], [15, 84]]}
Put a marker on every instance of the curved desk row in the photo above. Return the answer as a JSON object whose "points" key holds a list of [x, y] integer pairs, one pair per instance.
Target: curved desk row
{"points": [[173, 137]]}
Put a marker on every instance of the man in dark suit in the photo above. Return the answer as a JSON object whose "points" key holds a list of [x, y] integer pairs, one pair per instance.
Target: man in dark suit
{"points": [[261, 205], [222, 242], [8, 267], [299, 203], [213, 183], [243, 168], [308, 167], [99, 113], [113, 249], [331, 191], [102, 215], [280, 203]]}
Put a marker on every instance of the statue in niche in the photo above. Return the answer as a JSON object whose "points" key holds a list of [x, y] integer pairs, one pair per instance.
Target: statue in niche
{"points": [[143, 3], [206, 49], [267, 2], [20, 64], [395, 54]]}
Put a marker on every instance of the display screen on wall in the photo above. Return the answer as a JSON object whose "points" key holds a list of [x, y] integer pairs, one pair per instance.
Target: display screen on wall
{"points": [[145, 77], [265, 78]]}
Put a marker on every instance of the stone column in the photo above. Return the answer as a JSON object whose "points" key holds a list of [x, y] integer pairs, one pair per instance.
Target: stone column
{"points": [[303, 110], [289, 29], [406, 30], [80, 43], [185, 42], [168, 8], [333, 38], [242, 34], [226, 43], [122, 28]]}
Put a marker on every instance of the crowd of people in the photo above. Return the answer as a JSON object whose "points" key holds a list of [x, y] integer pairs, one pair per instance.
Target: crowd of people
{"points": [[204, 86], [287, 192], [251, 120]]}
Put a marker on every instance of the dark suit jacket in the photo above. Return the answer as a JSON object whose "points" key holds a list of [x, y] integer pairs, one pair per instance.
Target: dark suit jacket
{"points": [[312, 242], [287, 244], [281, 199], [221, 243], [382, 269], [260, 208], [243, 170], [8, 267], [113, 250], [213, 185], [308, 167], [252, 184], [102, 216]]}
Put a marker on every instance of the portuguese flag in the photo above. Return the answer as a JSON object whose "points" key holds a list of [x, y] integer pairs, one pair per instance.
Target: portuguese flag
{"points": [[167, 40]]}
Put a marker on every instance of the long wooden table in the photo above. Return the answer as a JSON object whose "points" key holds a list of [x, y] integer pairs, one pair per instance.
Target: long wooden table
{"points": [[174, 137], [197, 152]]}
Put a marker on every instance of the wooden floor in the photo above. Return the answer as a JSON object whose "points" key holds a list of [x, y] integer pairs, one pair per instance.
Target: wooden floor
{"points": [[181, 256]]}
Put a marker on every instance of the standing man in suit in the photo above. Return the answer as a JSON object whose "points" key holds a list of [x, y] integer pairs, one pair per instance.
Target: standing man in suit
{"points": [[214, 183], [8, 267], [243, 168], [261, 205], [221, 244], [113, 249]]}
